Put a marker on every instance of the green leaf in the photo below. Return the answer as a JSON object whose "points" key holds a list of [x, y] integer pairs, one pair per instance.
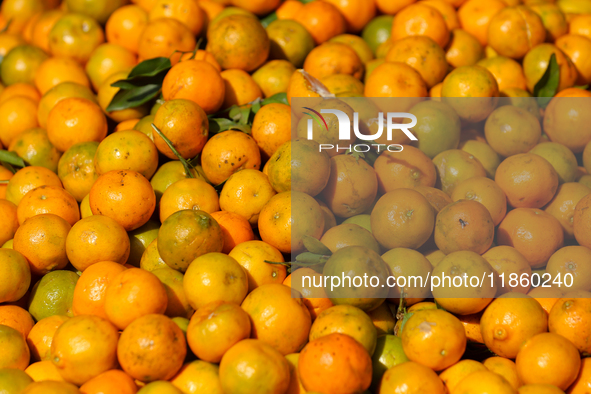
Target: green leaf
{"points": [[315, 246], [150, 67], [135, 97], [217, 125], [547, 86], [266, 21], [11, 158], [583, 87], [308, 258], [280, 98]]}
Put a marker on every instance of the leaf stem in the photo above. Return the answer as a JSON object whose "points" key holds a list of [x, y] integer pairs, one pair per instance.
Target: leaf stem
{"points": [[186, 165]]}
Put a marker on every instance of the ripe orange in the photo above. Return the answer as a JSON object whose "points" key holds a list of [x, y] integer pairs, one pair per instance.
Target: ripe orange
{"points": [[164, 36], [569, 318], [514, 31], [508, 261], [459, 371], [189, 193], [48, 199], [240, 88], [55, 70], [333, 58], [406, 169], [454, 166], [76, 169], [322, 20], [125, 26], [113, 380], [235, 229], [420, 20], [17, 114], [27, 179], [536, 61], [411, 376], [271, 128], [75, 35], [8, 211], [41, 335], [15, 350]]}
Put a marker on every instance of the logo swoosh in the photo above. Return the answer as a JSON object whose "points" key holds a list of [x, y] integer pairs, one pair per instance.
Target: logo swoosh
{"points": [[316, 116]]}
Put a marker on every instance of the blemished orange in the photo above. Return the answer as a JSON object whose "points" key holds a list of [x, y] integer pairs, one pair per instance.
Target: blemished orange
{"points": [[190, 193], [185, 124], [420, 20], [76, 169], [335, 362], [240, 88], [187, 12], [127, 150], [268, 369], [131, 294], [528, 180], [42, 240], [512, 130], [484, 191], [41, 335], [125, 26], [17, 114], [89, 293], [569, 318], [215, 328], [322, 20], [113, 380], [84, 347], [164, 36], [251, 255], [245, 193], [125, 196], [34, 147], [277, 318], [27, 179], [406, 169], [548, 358], [333, 58], [109, 242], [475, 17], [533, 232], [159, 361], [235, 228], [271, 127], [238, 42], [48, 199], [196, 80], [56, 70], [228, 152], [74, 120], [17, 318]]}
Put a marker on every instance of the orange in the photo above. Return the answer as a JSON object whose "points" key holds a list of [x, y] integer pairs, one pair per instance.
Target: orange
{"points": [[162, 37], [215, 328], [550, 359], [125, 196], [358, 44], [314, 298], [186, 235], [258, 7], [113, 380], [484, 191], [463, 49], [151, 259], [159, 361], [349, 320], [511, 130], [423, 54], [84, 347], [537, 60], [454, 166], [507, 261], [15, 268], [54, 71], [289, 40], [251, 255], [288, 9], [509, 321], [20, 89], [268, 369], [406, 169], [27, 179], [190, 193], [578, 49], [434, 338], [580, 226], [411, 377], [279, 168], [476, 15], [565, 120], [14, 349], [437, 198], [347, 234], [18, 13], [553, 18], [356, 13], [228, 152], [187, 12], [49, 199], [9, 41], [571, 260], [94, 239], [343, 85], [579, 25], [17, 318], [352, 186], [131, 294], [187, 79], [34, 147], [333, 58], [459, 371], [126, 125], [514, 31], [562, 206], [482, 88], [302, 84], [43, 371], [335, 363], [75, 36], [240, 88], [125, 26], [546, 296], [74, 120], [42, 26], [41, 336], [583, 381], [422, 20], [417, 219], [106, 60], [504, 367], [273, 77], [238, 41], [17, 114], [58, 93], [76, 169], [464, 225], [177, 305], [322, 20], [127, 150], [561, 158], [8, 212], [484, 381], [271, 127], [569, 318], [528, 180], [89, 293], [20, 64], [245, 193], [42, 240], [235, 228], [106, 93], [198, 376], [50, 387]]}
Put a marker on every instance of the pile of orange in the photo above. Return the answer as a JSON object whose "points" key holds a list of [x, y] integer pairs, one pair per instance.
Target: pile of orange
{"points": [[161, 246]]}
